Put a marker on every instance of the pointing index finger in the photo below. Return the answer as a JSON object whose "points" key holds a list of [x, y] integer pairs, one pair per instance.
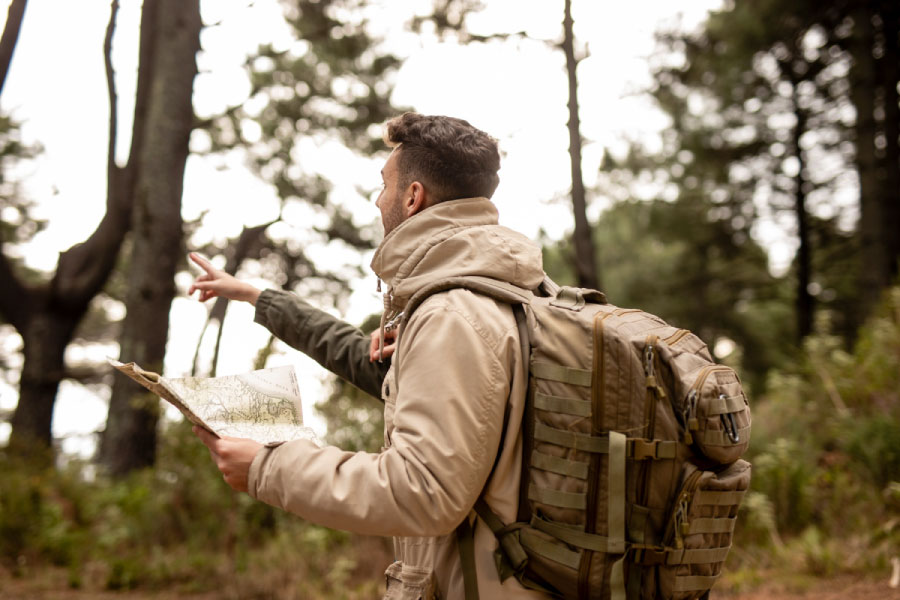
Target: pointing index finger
{"points": [[202, 263]]}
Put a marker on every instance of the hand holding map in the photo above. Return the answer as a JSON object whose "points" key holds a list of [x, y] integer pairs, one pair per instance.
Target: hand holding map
{"points": [[263, 405]]}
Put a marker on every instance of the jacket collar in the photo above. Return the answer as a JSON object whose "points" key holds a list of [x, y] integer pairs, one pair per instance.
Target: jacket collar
{"points": [[403, 248], [453, 238]]}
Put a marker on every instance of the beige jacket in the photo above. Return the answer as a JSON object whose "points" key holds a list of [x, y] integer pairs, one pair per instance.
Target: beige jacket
{"points": [[461, 370]]}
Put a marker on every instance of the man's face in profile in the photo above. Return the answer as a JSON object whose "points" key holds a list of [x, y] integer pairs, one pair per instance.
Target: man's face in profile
{"points": [[390, 200]]}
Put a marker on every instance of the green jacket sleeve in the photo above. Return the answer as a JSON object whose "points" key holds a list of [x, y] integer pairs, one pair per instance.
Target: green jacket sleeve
{"points": [[334, 344]]}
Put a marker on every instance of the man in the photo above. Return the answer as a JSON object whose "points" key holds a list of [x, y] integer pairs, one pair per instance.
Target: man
{"points": [[454, 392]]}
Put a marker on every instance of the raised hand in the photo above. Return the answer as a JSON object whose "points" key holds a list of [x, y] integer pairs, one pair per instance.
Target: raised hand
{"points": [[214, 283]]}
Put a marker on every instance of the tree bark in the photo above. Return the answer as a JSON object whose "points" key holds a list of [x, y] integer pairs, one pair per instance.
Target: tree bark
{"points": [[46, 316], [585, 253], [889, 70], [873, 250], [14, 17], [804, 302], [45, 337], [129, 442]]}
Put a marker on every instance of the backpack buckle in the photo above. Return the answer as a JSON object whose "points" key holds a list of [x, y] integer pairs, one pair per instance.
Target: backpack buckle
{"points": [[651, 449]]}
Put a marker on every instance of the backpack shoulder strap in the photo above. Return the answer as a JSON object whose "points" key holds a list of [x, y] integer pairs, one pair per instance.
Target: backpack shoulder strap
{"points": [[499, 290], [518, 297]]}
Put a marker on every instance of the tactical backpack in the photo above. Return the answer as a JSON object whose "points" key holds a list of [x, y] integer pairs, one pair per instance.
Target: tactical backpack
{"points": [[631, 473]]}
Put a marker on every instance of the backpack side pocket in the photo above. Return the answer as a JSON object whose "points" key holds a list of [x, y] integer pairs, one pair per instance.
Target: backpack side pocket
{"points": [[716, 415], [700, 530]]}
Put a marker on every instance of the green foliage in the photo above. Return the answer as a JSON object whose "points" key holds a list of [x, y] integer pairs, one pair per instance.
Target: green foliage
{"points": [[826, 455], [178, 526], [784, 476], [33, 519], [671, 259], [328, 86], [874, 444], [18, 224]]}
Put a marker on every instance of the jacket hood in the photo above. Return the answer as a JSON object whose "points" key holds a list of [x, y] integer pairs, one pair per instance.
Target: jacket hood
{"points": [[455, 238]]}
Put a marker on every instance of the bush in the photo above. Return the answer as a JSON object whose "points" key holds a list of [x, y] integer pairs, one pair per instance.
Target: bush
{"points": [[178, 526], [826, 454]]}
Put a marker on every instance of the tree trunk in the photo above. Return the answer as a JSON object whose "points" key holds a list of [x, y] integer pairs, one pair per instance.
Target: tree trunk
{"points": [[130, 439], [889, 69], [585, 253], [45, 337], [46, 316], [873, 249], [804, 303], [14, 17]]}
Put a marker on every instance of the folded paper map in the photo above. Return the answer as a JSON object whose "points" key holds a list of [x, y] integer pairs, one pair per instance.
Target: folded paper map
{"points": [[261, 405]]}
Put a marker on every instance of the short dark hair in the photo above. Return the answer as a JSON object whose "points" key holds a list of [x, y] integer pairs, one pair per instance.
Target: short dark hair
{"points": [[449, 156]]}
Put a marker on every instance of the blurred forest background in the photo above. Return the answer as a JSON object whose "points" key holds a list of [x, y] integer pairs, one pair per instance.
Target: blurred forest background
{"points": [[780, 115]]}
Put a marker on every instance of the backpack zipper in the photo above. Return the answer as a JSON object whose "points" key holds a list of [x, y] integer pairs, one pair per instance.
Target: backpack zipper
{"points": [[678, 523], [590, 526], [654, 385], [654, 393], [676, 337], [689, 411]]}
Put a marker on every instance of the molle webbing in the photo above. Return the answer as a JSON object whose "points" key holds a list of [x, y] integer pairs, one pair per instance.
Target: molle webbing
{"points": [[540, 546], [683, 556], [557, 498], [560, 466], [712, 525], [561, 374], [726, 404], [720, 498], [720, 438], [572, 535], [561, 404], [613, 543], [635, 448]]}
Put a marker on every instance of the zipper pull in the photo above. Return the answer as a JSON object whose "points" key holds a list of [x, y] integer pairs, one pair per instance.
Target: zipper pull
{"points": [[378, 286], [689, 423], [685, 524], [680, 514]]}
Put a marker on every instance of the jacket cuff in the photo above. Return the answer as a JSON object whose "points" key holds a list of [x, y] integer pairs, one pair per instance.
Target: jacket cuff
{"points": [[263, 303], [265, 466], [254, 476]]}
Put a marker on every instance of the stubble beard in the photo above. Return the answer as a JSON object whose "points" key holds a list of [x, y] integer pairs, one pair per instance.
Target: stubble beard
{"points": [[394, 216]]}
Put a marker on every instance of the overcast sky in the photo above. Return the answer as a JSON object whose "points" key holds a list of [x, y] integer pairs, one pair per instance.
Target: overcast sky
{"points": [[515, 91]]}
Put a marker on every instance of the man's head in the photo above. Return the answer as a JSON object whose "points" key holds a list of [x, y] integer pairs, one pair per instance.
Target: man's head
{"points": [[435, 159]]}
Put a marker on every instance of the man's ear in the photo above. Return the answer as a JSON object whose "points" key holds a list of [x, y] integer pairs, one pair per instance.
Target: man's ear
{"points": [[416, 199]]}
